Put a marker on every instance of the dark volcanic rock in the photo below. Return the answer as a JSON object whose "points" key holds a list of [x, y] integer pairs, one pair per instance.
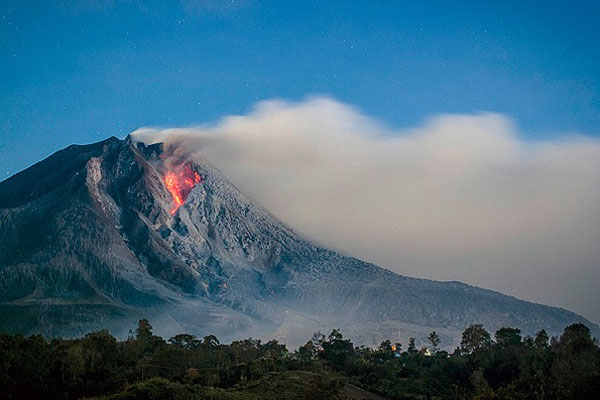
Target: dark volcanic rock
{"points": [[87, 241]]}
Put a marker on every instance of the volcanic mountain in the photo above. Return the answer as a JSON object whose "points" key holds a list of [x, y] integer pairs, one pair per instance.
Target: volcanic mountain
{"points": [[100, 235]]}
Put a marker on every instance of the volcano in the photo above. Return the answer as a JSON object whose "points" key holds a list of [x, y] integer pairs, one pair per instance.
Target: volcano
{"points": [[101, 235]]}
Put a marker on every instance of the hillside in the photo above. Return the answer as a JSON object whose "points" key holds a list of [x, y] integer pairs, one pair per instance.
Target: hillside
{"points": [[92, 237]]}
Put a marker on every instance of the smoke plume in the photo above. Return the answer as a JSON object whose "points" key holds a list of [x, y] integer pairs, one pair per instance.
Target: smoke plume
{"points": [[462, 197]]}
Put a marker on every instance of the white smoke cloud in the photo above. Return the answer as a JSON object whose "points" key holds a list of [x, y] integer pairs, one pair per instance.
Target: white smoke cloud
{"points": [[462, 197]]}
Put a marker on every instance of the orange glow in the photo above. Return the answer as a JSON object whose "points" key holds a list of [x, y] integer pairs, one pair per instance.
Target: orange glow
{"points": [[179, 182]]}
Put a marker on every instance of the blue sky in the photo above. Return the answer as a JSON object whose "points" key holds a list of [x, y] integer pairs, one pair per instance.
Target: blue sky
{"points": [[77, 72]]}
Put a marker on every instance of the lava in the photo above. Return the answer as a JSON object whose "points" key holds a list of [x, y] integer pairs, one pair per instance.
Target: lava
{"points": [[180, 181]]}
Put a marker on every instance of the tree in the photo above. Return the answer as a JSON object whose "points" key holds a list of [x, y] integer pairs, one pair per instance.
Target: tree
{"points": [[480, 385], [184, 341], [505, 362], [385, 351], [274, 353], [397, 347], [541, 340], [385, 347], [336, 349], [211, 341], [100, 349], [305, 354], [411, 346], [144, 330], [508, 337], [435, 340], [317, 339], [474, 339], [576, 370], [576, 339]]}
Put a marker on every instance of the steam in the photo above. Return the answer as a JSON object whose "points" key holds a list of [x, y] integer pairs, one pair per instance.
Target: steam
{"points": [[462, 197]]}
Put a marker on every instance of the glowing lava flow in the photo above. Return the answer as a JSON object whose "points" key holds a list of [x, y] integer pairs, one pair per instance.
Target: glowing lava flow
{"points": [[180, 182]]}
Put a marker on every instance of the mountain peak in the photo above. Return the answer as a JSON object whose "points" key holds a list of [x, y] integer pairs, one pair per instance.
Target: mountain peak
{"points": [[99, 235]]}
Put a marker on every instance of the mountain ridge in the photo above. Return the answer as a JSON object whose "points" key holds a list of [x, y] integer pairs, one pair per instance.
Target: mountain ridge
{"points": [[88, 241]]}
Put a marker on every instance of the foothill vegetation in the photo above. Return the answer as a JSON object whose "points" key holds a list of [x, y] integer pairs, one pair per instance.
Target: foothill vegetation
{"points": [[145, 366]]}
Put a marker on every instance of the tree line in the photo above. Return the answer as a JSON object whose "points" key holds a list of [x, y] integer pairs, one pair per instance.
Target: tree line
{"points": [[145, 366]]}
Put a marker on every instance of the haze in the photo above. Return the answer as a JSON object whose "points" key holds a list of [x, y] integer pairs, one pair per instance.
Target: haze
{"points": [[461, 197], [442, 141]]}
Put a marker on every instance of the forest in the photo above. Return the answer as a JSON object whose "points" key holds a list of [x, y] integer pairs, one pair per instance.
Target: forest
{"points": [[145, 366]]}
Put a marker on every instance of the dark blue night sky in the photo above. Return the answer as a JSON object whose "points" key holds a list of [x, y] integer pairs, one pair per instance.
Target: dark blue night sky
{"points": [[77, 72]]}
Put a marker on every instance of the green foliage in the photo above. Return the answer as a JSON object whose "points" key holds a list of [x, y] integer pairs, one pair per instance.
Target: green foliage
{"points": [[154, 389], [147, 367], [411, 345], [474, 339], [541, 339], [435, 340], [508, 337], [336, 350], [274, 386]]}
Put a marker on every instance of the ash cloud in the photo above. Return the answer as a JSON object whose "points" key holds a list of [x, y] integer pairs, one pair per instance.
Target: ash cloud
{"points": [[462, 197]]}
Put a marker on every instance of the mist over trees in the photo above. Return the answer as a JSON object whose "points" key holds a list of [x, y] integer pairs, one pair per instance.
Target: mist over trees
{"points": [[146, 366]]}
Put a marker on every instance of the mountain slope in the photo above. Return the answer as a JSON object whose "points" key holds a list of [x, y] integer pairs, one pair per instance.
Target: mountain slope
{"points": [[89, 238]]}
